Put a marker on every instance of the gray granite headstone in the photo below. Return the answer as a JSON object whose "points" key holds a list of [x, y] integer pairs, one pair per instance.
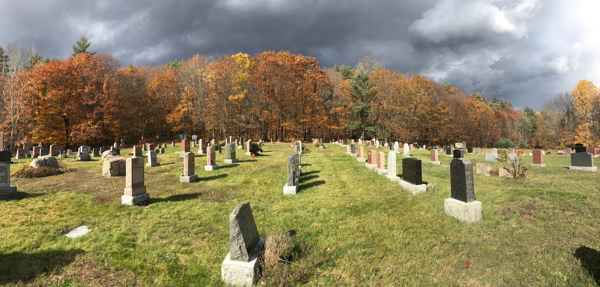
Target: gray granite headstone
{"points": [[458, 153], [243, 234], [5, 156], [582, 159], [291, 170], [353, 148], [461, 177], [194, 137]]}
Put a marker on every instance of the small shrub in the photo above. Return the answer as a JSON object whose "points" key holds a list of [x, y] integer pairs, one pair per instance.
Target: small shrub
{"points": [[505, 143], [276, 247], [522, 144], [494, 172], [502, 156], [429, 148], [516, 169]]}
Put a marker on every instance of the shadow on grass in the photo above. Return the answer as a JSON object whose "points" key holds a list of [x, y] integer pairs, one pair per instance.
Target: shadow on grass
{"points": [[307, 178], [306, 164], [176, 197], [312, 184], [229, 165], [167, 163], [247, 160], [590, 260], [24, 267], [310, 172], [207, 178], [23, 195]]}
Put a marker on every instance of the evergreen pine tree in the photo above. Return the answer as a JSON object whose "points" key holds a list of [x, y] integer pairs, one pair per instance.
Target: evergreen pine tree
{"points": [[81, 46]]}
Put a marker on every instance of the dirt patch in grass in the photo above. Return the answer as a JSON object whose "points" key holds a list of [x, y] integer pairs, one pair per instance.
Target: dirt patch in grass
{"points": [[87, 273], [530, 209]]}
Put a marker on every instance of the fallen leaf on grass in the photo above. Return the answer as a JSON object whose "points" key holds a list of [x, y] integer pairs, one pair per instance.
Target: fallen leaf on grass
{"points": [[322, 275], [466, 263], [349, 205], [272, 180], [327, 249], [318, 225], [256, 181]]}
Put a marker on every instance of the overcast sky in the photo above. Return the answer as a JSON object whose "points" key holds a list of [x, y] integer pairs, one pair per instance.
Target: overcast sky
{"points": [[523, 50]]}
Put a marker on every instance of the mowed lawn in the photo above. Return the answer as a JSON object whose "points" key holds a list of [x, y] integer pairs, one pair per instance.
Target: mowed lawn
{"points": [[357, 228]]}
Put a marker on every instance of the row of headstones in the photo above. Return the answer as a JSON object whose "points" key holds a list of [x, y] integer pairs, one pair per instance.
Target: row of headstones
{"points": [[293, 167], [461, 205], [580, 160], [250, 147]]}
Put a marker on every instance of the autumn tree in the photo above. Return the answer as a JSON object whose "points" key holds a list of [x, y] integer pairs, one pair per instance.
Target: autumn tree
{"points": [[583, 103]]}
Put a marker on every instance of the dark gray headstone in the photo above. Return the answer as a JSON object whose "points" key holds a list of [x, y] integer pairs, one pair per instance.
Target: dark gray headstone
{"points": [[230, 151], [297, 168], [291, 170], [461, 178], [458, 153], [538, 147], [470, 150], [43, 151], [353, 148], [580, 148], [243, 234], [411, 170], [448, 150], [582, 159], [5, 156], [346, 142]]}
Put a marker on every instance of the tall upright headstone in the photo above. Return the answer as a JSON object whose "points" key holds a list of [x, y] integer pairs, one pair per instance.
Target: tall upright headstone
{"points": [[434, 156], [1, 141], [462, 204], [201, 146], [406, 150], [396, 147], [241, 265], [249, 147], [135, 190], [381, 164], [372, 160], [189, 168], [6, 190], [538, 158], [412, 176], [392, 174], [361, 154], [230, 153], [184, 147], [291, 186], [211, 162], [152, 159]]}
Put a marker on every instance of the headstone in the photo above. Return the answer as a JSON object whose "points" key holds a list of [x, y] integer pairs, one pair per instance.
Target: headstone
{"points": [[36, 151], [83, 153], [230, 153], [462, 205], [96, 152], [291, 186], [55, 149], [361, 154], [458, 153], [448, 150], [20, 153], [194, 138], [152, 159], [502, 172], [5, 156], [396, 147], [381, 164], [43, 151], [137, 151], [512, 158], [372, 160], [122, 143], [184, 147], [406, 150], [135, 190], [6, 190], [411, 170], [434, 156], [495, 151], [241, 265], [1, 140], [353, 150], [483, 168], [582, 160], [478, 151], [27, 147], [211, 159], [116, 150], [172, 144], [490, 157], [470, 150], [201, 146], [248, 147], [189, 168], [113, 166], [580, 148], [391, 167], [69, 152]]}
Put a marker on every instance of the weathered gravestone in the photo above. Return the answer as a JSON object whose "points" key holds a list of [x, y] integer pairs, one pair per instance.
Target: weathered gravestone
{"points": [[406, 150], [412, 176], [353, 150], [291, 186], [152, 159], [380, 169], [434, 156], [189, 168], [230, 153], [478, 151], [211, 159], [483, 168], [241, 265], [396, 147], [391, 167], [113, 166], [83, 153], [490, 157], [538, 158], [582, 160], [361, 154], [55, 149], [137, 151], [27, 148], [20, 153], [249, 147], [36, 151], [6, 190], [462, 205], [135, 190], [201, 146], [184, 147]]}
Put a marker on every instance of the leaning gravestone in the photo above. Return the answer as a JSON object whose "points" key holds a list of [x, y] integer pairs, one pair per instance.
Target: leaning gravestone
{"points": [[462, 205], [241, 265], [135, 190], [391, 167], [189, 168], [83, 153], [412, 176], [582, 160], [291, 186], [6, 190], [230, 153]]}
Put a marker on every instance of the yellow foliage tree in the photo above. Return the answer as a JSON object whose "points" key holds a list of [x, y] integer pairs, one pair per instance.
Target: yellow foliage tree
{"points": [[583, 95]]}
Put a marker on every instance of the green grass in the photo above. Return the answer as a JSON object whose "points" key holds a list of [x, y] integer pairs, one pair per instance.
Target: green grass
{"points": [[364, 229]]}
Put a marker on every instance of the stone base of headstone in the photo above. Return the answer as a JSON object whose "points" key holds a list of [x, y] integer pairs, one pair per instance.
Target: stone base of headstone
{"points": [[82, 157], [393, 178], [154, 164], [290, 190], [248, 153], [353, 154], [239, 273], [134, 200], [538, 165], [211, 167], [230, 160], [413, 188], [7, 192], [321, 147], [200, 151], [381, 171], [371, 166], [584, 168], [469, 213], [435, 162], [188, 179], [361, 159]]}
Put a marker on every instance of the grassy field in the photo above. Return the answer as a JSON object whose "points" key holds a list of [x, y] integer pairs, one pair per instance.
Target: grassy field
{"points": [[351, 226]]}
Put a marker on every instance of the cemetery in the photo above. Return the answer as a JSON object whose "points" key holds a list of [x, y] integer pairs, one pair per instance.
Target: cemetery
{"points": [[115, 216]]}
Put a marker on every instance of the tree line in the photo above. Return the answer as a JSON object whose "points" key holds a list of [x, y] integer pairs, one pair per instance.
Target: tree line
{"points": [[90, 99]]}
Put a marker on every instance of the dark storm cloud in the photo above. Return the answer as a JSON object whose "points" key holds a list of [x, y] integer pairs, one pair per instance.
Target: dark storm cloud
{"points": [[523, 50]]}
